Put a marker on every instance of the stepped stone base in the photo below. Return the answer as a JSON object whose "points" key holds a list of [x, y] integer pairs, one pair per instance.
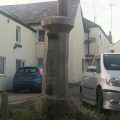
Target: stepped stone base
{"points": [[53, 108]]}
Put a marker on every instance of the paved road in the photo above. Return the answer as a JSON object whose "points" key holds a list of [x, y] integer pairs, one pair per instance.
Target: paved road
{"points": [[20, 97]]}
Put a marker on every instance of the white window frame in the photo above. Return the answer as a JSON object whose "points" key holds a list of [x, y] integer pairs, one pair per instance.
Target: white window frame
{"points": [[38, 61], [18, 35], [21, 62], [4, 60], [38, 37]]}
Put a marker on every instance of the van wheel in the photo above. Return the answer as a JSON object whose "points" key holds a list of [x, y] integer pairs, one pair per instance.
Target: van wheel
{"points": [[99, 100], [81, 95]]}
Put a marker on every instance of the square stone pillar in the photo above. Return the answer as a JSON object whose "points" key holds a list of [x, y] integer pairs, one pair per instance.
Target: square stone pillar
{"points": [[57, 55]]}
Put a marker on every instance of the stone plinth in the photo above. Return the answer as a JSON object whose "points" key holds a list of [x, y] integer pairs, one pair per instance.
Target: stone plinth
{"points": [[57, 104], [57, 58], [57, 24], [52, 108], [54, 105]]}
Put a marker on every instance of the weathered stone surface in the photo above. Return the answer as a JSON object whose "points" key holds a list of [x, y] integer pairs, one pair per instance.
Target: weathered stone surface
{"points": [[62, 7], [54, 105], [57, 104], [58, 24], [53, 108], [57, 65]]}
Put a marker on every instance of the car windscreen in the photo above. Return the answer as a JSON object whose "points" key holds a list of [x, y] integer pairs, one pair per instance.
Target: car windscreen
{"points": [[27, 70], [112, 61]]}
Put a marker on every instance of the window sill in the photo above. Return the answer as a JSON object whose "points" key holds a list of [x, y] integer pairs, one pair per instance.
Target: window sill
{"points": [[40, 42], [2, 75]]}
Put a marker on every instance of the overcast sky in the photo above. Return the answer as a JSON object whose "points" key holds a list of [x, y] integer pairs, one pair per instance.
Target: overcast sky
{"points": [[99, 8]]}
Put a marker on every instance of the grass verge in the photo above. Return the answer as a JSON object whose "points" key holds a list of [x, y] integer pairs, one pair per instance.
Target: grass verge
{"points": [[90, 113]]}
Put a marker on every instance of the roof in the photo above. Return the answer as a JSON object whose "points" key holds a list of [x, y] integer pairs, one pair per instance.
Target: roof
{"points": [[14, 18], [89, 24], [34, 12], [118, 42]]}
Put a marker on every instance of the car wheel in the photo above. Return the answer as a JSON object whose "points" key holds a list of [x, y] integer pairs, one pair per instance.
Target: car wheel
{"points": [[15, 90], [99, 100], [36, 90]]}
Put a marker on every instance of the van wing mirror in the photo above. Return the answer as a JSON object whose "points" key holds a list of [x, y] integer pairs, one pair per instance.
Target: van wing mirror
{"points": [[92, 69]]}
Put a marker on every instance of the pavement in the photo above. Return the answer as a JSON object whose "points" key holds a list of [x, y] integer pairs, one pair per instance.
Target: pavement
{"points": [[20, 97]]}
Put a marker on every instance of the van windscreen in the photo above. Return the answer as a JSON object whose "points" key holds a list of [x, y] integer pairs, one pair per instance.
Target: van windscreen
{"points": [[111, 61]]}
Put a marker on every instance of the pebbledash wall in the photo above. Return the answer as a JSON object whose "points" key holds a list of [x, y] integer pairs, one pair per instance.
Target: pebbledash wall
{"points": [[26, 51]]}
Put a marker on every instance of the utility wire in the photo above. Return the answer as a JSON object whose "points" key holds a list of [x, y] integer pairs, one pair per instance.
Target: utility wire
{"points": [[94, 11]]}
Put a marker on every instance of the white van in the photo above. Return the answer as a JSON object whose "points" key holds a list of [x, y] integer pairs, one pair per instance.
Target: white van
{"points": [[101, 82]]}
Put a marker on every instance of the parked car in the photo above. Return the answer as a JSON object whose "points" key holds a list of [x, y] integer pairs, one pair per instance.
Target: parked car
{"points": [[101, 83], [28, 78]]}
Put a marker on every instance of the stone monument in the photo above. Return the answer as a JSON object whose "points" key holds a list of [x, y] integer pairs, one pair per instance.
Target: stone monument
{"points": [[54, 103]]}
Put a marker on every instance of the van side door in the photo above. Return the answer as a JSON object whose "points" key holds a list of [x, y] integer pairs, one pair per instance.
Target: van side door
{"points": [[91, 83]]}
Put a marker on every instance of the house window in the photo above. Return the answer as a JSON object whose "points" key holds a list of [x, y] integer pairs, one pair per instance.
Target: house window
{"points": [[18, 35], [20, 63], [2, 65], [41, 34], [40, 62]]}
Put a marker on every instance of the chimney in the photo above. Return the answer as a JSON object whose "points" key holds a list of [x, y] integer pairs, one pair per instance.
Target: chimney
{"points": [[110, 37]]}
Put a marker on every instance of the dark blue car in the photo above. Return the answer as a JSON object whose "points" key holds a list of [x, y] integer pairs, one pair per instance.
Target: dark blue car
{"points": [[28, 78]]}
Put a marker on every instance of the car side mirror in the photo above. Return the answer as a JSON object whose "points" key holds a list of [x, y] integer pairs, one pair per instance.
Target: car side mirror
{"points": [[92, 69]]}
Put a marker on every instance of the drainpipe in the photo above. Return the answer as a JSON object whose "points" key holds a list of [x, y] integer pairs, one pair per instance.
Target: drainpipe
{"points": [[88, 42]]}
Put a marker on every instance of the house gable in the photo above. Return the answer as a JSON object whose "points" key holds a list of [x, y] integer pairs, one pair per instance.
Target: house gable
{"points": [[89, 24], [12, 17]]}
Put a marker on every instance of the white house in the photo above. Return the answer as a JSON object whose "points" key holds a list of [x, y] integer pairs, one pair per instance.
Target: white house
{"points": [[96, 40], [115, 47], [17, 47], [32, 46]]}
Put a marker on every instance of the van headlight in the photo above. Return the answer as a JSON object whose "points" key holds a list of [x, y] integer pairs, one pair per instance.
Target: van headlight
{"points": [[114, 82]]}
